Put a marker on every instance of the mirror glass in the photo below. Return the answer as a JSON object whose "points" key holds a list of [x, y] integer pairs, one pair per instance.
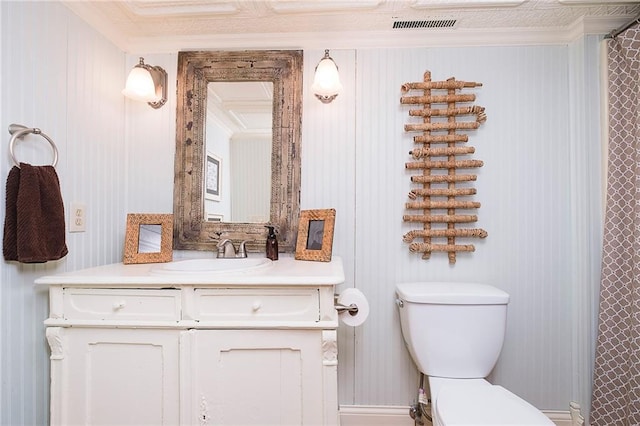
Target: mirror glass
{"points": [[238, 144], [237, 164], [150, 238]]}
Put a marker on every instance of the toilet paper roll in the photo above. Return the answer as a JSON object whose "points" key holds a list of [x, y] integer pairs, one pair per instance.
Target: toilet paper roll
{"points": [[355, 296]]}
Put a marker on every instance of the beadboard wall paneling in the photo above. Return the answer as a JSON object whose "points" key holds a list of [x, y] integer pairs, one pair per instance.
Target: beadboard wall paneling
{"points": [[524, 189], [250, 164], [328, 181], [61, 76], [95, 170], [539, 191], [384, 370], [587, 175], [150, 147]]}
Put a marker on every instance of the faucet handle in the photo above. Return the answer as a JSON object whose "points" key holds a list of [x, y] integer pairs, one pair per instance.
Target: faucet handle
{"points": [[242, 252], [221, 246]]}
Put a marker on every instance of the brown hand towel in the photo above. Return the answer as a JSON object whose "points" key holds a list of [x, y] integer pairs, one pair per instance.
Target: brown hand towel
{"points": [[34, 222]]}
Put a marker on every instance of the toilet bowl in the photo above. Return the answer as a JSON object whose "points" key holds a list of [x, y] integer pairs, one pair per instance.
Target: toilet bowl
{"points": [[454, 332], [467, 402]]}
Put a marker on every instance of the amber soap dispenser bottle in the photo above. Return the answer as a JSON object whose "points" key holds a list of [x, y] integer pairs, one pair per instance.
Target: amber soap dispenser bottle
{"points": [[272, 244]]}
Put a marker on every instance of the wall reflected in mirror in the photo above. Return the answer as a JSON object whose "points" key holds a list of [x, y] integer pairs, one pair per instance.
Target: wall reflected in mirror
{"points": [[238, 145], [150, 238]]}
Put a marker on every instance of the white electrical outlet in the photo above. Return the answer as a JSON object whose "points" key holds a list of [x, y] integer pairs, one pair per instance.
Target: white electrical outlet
{"points": [[77, 218]]}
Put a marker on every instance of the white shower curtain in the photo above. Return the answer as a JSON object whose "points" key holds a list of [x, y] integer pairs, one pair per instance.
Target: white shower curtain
{"points": [[616, 384]]}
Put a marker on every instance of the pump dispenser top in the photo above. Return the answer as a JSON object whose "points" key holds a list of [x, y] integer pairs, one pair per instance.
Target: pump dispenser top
{"points": [[271, 248]]}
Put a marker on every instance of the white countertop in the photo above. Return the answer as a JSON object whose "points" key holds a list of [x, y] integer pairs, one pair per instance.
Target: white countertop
{"points": [[286, 271]]}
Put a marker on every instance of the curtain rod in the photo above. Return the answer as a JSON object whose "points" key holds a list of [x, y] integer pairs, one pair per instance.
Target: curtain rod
{"points": [[617, 31]]}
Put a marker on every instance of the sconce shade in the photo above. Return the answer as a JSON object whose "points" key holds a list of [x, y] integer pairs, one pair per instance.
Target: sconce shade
{"points": [[326, 82], [140, 86], [147, 84]]}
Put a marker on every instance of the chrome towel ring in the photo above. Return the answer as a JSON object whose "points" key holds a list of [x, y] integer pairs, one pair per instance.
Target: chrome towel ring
{"points": [[18, 131]]}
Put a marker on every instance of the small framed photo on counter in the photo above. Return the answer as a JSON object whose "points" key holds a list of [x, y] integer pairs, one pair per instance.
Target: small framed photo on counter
{"points": [[315, 235], [149, 238]]}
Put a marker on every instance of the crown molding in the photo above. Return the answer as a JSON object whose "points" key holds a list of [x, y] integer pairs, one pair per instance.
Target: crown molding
{"points": [[458, 37], [349, 40]]}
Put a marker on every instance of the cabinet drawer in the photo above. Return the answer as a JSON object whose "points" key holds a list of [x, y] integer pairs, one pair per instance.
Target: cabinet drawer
{"points": [[121, 304], [289, 304]]}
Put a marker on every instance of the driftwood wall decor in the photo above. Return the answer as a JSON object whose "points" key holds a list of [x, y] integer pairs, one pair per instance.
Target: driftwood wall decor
{"points": [[442, 164]]}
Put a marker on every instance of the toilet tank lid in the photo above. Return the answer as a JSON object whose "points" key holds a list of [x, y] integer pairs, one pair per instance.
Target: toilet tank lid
{"points": [[452, 293]]}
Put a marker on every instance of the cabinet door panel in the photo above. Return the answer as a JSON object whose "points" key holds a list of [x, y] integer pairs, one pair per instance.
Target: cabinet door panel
{"points": [[120, 377], [258, 377]]}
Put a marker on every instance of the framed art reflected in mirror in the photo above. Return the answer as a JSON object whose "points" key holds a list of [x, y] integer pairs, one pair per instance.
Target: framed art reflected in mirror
{"points": [[148, 238], [213, 178]]}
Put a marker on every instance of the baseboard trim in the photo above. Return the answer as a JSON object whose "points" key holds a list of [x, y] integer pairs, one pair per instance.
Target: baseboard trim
{"points": [[380, 415], [375, 415], [560, 418]]}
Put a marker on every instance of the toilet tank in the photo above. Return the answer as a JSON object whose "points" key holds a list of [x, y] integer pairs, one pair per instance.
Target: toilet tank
{"points": [[453, 330]]}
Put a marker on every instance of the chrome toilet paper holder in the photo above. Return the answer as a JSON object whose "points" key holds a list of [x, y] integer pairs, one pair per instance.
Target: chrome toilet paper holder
{"points": [[352, 308]]}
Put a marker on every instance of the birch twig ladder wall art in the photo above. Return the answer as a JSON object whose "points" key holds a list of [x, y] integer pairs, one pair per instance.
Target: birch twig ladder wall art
{"points": [[437, 157]]}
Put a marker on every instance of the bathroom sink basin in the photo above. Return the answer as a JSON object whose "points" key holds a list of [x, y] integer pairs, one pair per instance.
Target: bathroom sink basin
{"points": [[213, 266]]}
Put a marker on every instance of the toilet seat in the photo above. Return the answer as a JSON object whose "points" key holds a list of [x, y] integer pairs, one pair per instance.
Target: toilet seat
{"points": [[485, 405]]}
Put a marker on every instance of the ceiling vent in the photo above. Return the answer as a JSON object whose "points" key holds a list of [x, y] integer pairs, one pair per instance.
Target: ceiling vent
{"points": [[429, 23]]}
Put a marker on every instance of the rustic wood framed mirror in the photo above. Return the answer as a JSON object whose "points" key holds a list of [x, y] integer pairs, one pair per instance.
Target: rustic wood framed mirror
{"points": [[195, 176]]}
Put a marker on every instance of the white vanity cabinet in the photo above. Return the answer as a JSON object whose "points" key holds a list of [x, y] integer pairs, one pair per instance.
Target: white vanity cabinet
{"points": [[108, 376], [256, 377], [130, 346]]}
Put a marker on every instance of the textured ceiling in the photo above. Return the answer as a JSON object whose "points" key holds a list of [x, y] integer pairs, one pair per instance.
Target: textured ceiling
{"points": [[128, 21]]}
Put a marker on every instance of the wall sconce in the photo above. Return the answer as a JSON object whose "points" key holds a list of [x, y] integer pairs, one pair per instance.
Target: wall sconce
{"points": [[148, 84], [326, 82]]}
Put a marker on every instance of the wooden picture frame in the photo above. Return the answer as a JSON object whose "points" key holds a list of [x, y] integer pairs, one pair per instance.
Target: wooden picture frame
{"points": [[315, 235], [149, 238]]}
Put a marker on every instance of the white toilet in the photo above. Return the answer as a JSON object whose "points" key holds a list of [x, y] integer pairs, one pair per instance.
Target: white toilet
{"points": [[454, 332]]}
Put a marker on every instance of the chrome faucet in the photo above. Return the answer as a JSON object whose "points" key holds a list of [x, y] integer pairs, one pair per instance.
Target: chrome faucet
{"points": [[226, 250]]}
